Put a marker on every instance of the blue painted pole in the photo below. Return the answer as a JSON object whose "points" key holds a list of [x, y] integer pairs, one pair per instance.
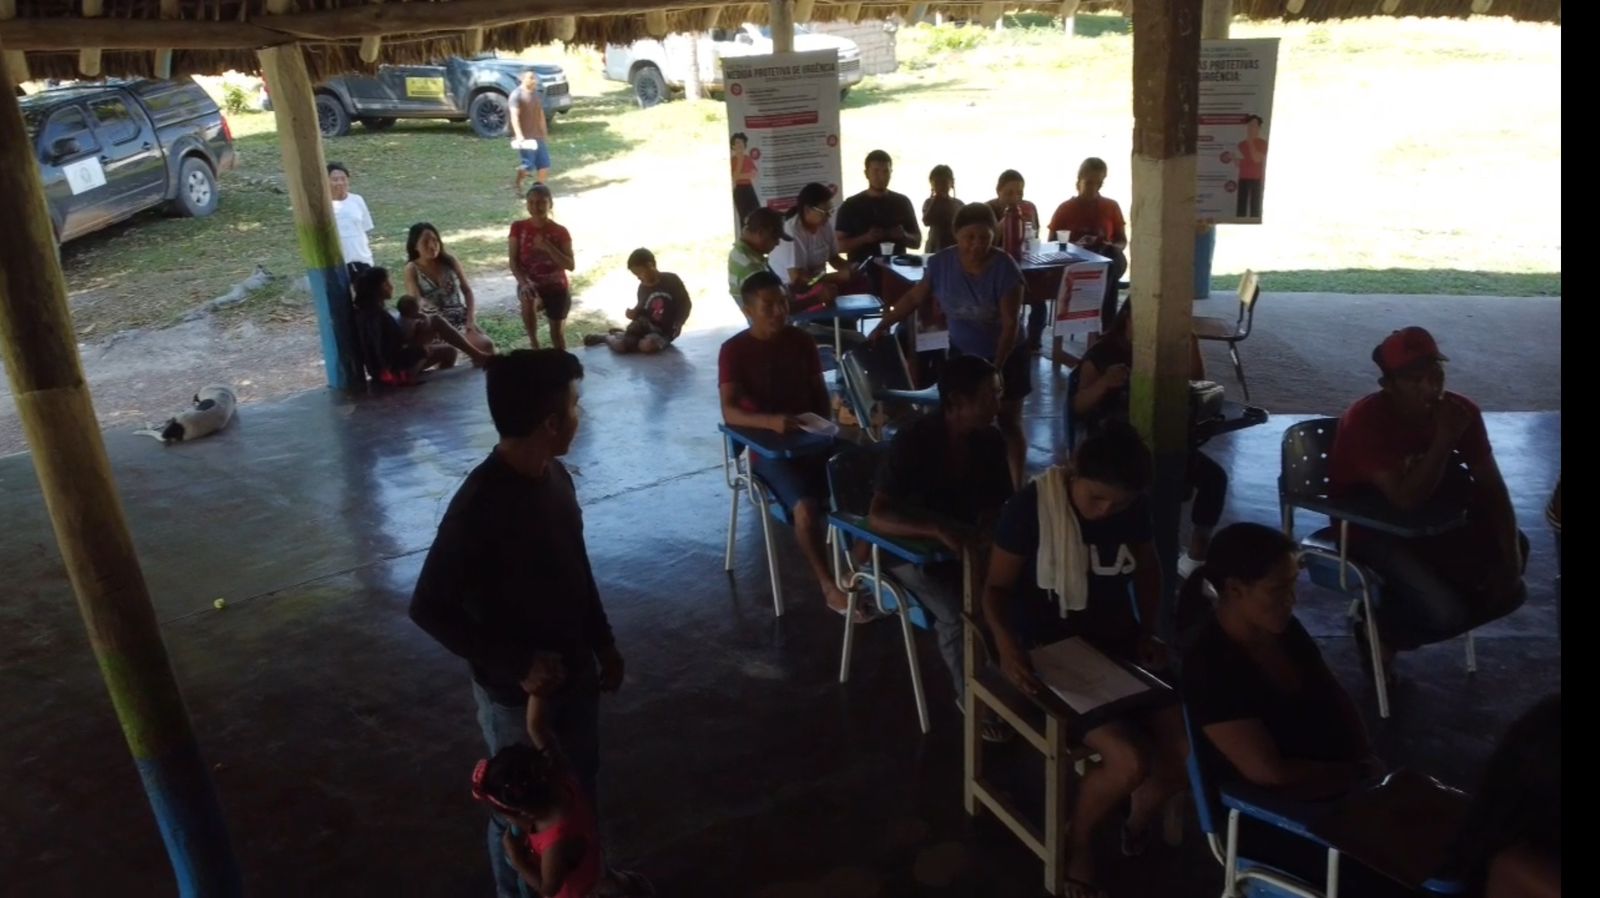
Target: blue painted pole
{"points": [[69, 456]]}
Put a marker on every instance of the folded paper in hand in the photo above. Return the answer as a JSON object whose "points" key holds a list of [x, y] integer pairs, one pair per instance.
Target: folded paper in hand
{"points": [[526, 143], [1082, 676]]}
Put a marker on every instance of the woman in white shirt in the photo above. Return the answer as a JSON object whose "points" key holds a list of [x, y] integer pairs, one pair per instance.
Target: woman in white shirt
{"points": [[351, 215], [803, 263]]}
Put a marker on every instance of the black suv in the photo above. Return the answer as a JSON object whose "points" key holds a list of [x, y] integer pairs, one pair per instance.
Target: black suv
{"points": [[472, 90], [108, 151]]}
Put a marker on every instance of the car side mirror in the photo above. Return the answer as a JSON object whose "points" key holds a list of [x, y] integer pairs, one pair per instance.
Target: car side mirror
{"points": [[64, 147]]}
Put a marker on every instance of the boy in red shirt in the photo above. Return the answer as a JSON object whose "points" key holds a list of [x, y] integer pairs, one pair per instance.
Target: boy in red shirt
{"points": [[767, 376], [1408, 442]]}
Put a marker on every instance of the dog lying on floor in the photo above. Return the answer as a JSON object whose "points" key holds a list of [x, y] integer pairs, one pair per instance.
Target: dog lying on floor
{"points": [[213, 409]]}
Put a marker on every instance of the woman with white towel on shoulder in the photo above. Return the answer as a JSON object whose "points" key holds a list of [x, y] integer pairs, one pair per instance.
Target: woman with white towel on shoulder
{"points": [[1073, 556]]}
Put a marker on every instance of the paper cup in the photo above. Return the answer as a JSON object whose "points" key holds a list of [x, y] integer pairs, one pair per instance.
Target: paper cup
{"points": [[886, 249], [1063, 236]]}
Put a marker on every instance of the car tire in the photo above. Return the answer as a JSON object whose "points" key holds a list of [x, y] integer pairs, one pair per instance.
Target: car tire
{"points": [[649, 86], [377, 124], [489, 113], [197, 189], [332, 119]]}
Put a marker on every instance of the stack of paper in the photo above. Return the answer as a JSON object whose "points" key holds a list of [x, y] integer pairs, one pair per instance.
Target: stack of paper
{"points": [[1083, 676]]}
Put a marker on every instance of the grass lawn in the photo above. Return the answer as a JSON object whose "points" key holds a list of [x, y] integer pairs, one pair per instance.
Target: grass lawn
{"points": [[1392, 170]]}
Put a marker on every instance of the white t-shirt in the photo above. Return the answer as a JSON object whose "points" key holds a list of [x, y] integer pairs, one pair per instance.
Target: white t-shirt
{"points": [[808, 252], [354, 223]]}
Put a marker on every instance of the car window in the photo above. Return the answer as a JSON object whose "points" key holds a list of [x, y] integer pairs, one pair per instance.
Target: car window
{"points": [[114, 120], [68, 122]]}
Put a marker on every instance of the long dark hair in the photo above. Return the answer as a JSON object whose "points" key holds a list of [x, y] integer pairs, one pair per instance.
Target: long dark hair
{"points": [[1244, 552], [810, 195], [1519, 798], [414, 236]]}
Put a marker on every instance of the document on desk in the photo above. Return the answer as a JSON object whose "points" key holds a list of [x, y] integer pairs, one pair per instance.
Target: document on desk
{"points": [[1082, 676]]}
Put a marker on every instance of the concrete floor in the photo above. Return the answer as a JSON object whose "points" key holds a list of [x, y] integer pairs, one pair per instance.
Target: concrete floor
{"points": [[342, 737]]}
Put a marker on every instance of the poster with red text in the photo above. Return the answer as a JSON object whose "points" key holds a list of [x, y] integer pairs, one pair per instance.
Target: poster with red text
{"points": [[1236, 81], [783, 127]]}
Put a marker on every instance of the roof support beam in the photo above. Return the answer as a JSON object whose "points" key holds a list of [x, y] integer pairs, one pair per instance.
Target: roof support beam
{"points": [[89, 57]]}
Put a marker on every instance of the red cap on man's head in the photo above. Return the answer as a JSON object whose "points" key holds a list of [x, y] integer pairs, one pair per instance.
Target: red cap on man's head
{"points": [[1407, 347]]}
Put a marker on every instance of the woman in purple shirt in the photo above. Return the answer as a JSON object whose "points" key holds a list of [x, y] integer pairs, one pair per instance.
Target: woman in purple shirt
{"points": [[979, 289]]}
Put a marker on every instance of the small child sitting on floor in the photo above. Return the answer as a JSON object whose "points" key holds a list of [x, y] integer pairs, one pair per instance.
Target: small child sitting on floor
{"points": [[434, 336]]}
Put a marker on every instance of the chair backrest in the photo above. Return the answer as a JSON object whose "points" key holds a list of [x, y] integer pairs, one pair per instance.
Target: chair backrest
{"points": [[857, 395], [852, 475], [1303, 469], [1249, 292], [884, 364], [1207, 802]]}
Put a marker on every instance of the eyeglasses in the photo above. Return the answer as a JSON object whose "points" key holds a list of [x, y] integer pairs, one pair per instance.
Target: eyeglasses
{"points": [[823, 211]]}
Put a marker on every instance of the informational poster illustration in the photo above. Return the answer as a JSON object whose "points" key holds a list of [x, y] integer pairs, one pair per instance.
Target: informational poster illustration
{"points": [[783, 127], [1236, 84]]}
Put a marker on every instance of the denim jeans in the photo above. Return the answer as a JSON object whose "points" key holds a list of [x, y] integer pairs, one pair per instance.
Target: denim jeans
{"points": [[574, 720], [938, 589]]}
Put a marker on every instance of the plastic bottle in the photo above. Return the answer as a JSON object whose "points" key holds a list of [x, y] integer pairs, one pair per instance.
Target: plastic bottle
{"points": [[1011, 234]]}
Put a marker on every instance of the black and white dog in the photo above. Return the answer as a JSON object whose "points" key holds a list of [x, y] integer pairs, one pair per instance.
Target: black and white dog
{"points": [[213, 409]]}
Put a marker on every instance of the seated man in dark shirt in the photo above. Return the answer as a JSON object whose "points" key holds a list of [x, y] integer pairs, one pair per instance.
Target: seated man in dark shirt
{"points": [[507, 584], [768, 376], [1105, 588], [876, 215], [945, 478], [1408, 443]]}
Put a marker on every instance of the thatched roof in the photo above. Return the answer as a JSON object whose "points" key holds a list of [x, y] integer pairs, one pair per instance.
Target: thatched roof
{"points": [[212, 36]]}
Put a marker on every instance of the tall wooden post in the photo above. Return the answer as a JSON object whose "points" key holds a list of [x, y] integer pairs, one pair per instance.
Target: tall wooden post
{"points": [[1166, 89], [305, 170], [782, 26], [1214, 19], [69, 457], [15, 63]]}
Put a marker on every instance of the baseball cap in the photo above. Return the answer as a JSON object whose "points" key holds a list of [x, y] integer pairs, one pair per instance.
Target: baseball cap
{"points": [[766, 220], [1405, 348]]}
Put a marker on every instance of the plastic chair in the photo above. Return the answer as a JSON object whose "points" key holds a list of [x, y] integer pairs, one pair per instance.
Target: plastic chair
{"points": [[851, 474], [1237, 331], [877, 385], [1303, 484], [737, 446]]}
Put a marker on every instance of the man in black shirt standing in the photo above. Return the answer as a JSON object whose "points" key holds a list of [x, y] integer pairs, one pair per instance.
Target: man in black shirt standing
{"points": [[876, 215], [507, 584]]}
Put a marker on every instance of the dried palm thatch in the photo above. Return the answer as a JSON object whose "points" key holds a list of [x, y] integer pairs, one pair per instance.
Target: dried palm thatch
{"points": [[212, 36]]}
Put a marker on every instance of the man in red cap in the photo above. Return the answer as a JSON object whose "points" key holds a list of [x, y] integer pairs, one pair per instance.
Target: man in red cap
{"points": [[1408, 442]]}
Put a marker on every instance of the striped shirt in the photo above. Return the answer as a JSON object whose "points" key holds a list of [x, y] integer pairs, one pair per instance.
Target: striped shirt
{"points": [[743, 261]]}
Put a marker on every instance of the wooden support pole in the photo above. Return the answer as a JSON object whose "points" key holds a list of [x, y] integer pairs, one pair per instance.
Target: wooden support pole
{"points": [[566, 28], [804, 9], [473, 42], [14, 61], [162, 66], [782, 26], [305, 171], [1295, 7], [89, 57], [69, 457], [1166, 90], [989, 14], [852, 13], [1069, 16], [1215, 16], [711, 17], [367, 52]]}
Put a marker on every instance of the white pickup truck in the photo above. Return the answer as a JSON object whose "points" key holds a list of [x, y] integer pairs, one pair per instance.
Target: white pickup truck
{"points": [[657, 69]]}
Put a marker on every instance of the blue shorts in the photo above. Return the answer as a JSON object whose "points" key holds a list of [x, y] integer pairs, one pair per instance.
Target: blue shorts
{"points": [[535, 160], [793, 480]]}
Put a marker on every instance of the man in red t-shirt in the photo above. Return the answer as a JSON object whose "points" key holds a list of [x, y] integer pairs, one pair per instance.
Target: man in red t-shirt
{"points": [[768, 376], [1409, 442], [1097, 225]]}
